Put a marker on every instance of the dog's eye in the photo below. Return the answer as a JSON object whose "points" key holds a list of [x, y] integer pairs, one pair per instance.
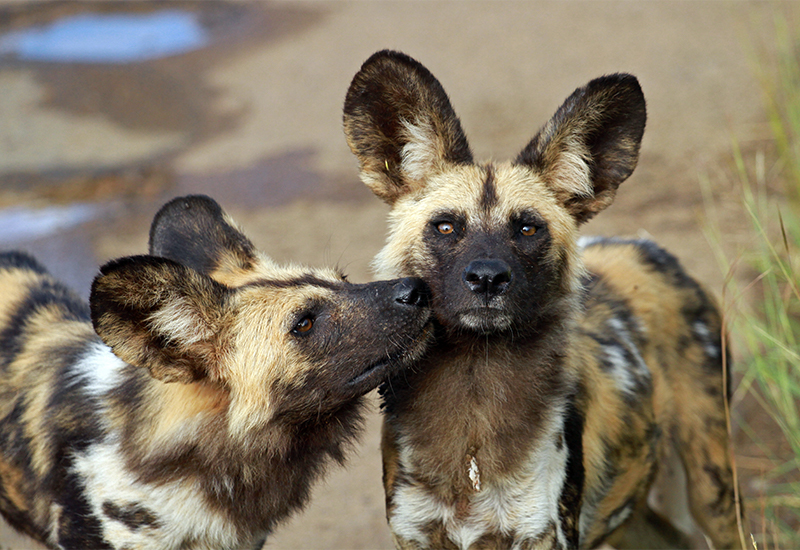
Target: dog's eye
{"points": [[303, 325], [528, 229], [445, 228]]}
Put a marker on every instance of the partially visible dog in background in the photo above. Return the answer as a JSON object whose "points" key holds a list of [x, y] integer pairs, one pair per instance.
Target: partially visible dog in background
{"points": [[197, 398]]}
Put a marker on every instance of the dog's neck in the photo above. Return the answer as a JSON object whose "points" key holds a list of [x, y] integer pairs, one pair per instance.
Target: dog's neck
{"points": [[475, 406], [180, 431]]}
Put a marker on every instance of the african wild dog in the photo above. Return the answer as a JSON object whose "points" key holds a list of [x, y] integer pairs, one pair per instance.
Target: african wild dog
{"points": [[216, 389], [561, 373]]}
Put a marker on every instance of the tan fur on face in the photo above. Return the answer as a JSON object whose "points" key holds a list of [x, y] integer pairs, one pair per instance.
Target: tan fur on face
{"points": [[269, 314], [518, 188]]}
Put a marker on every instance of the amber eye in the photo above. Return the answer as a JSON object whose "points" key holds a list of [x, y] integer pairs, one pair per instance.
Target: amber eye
{"points": [[304, 325], [528, 230], [445, 228]]}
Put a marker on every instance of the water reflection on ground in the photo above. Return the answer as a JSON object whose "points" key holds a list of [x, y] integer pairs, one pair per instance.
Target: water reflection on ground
{"points": [[108, 37], [97, 100], [82, 87], [24, 224]]}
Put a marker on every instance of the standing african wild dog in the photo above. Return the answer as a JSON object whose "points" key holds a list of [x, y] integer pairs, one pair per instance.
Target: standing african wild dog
{"points": [[216, 388], [561, 373]]}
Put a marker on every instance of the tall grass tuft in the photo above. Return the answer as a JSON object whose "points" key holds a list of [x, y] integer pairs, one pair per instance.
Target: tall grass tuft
{"points": [[762, 294], [781, 85]]}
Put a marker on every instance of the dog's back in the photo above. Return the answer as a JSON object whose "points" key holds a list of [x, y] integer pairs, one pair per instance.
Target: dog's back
{"points": [[44, 329], [651, 336]]}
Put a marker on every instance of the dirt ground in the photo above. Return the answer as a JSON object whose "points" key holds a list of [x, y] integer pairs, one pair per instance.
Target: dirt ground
{"points": [[88, 152]]}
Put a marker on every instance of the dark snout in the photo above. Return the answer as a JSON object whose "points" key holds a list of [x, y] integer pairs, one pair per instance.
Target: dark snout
{"points": [[487, 278], [411, 292], [387, 331]]}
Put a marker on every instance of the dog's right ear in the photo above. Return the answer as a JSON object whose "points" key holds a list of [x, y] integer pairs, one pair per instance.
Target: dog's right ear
{"points": [[160, 315], [591, 144], [400, 125], [196, 232]]}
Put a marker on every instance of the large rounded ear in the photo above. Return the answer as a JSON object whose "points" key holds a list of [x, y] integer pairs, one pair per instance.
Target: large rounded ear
{"points": [[400, 125], [196, 232], [591, 144], [160, 315]]}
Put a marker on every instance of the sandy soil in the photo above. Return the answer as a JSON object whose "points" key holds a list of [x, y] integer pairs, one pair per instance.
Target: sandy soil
{"points": [[255, 121]]}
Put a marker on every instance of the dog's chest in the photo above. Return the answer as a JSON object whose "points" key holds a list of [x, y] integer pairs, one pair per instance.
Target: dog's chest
{"points": [[518, 510], [133, 514]]}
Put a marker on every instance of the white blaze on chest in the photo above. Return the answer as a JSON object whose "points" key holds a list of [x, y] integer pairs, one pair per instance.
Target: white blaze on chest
{"points": [[474, 474], [523, 504]]}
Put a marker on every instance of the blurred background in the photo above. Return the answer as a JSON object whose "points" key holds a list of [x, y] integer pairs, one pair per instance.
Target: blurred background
{"points": [[108, 109]]}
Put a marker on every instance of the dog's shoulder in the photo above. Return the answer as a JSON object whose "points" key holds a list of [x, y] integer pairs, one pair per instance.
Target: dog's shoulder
{"points": [[18, 260]]}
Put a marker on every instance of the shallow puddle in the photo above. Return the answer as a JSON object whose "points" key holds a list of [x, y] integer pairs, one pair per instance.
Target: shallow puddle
{"points": [[120, 63], [26, 224], [108, 37]]}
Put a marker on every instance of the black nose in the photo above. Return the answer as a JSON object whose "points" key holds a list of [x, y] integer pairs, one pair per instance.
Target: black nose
{"points": [[411, 292], [487, 277]]}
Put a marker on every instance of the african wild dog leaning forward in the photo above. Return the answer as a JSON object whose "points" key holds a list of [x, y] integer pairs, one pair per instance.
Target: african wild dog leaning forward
{"points": [[561, 373], [216, 389]]}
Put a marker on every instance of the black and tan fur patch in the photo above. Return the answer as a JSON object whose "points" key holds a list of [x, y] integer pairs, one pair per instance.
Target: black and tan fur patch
{"points": [[562, 371], [196, 400]]}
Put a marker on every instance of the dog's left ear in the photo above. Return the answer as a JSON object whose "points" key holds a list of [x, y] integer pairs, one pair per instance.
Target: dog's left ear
{"points": [[160, 315], [400, 125], [591, 144]]}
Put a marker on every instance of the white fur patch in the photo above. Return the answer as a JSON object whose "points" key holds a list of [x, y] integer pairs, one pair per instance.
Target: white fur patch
{"points": [[474, 474], [421, 153], [477, 321], [571, 172], [98, 371], [618, 518], [179, 321], [704, 336], [589, 240], [629, 375], [178, 507]]}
